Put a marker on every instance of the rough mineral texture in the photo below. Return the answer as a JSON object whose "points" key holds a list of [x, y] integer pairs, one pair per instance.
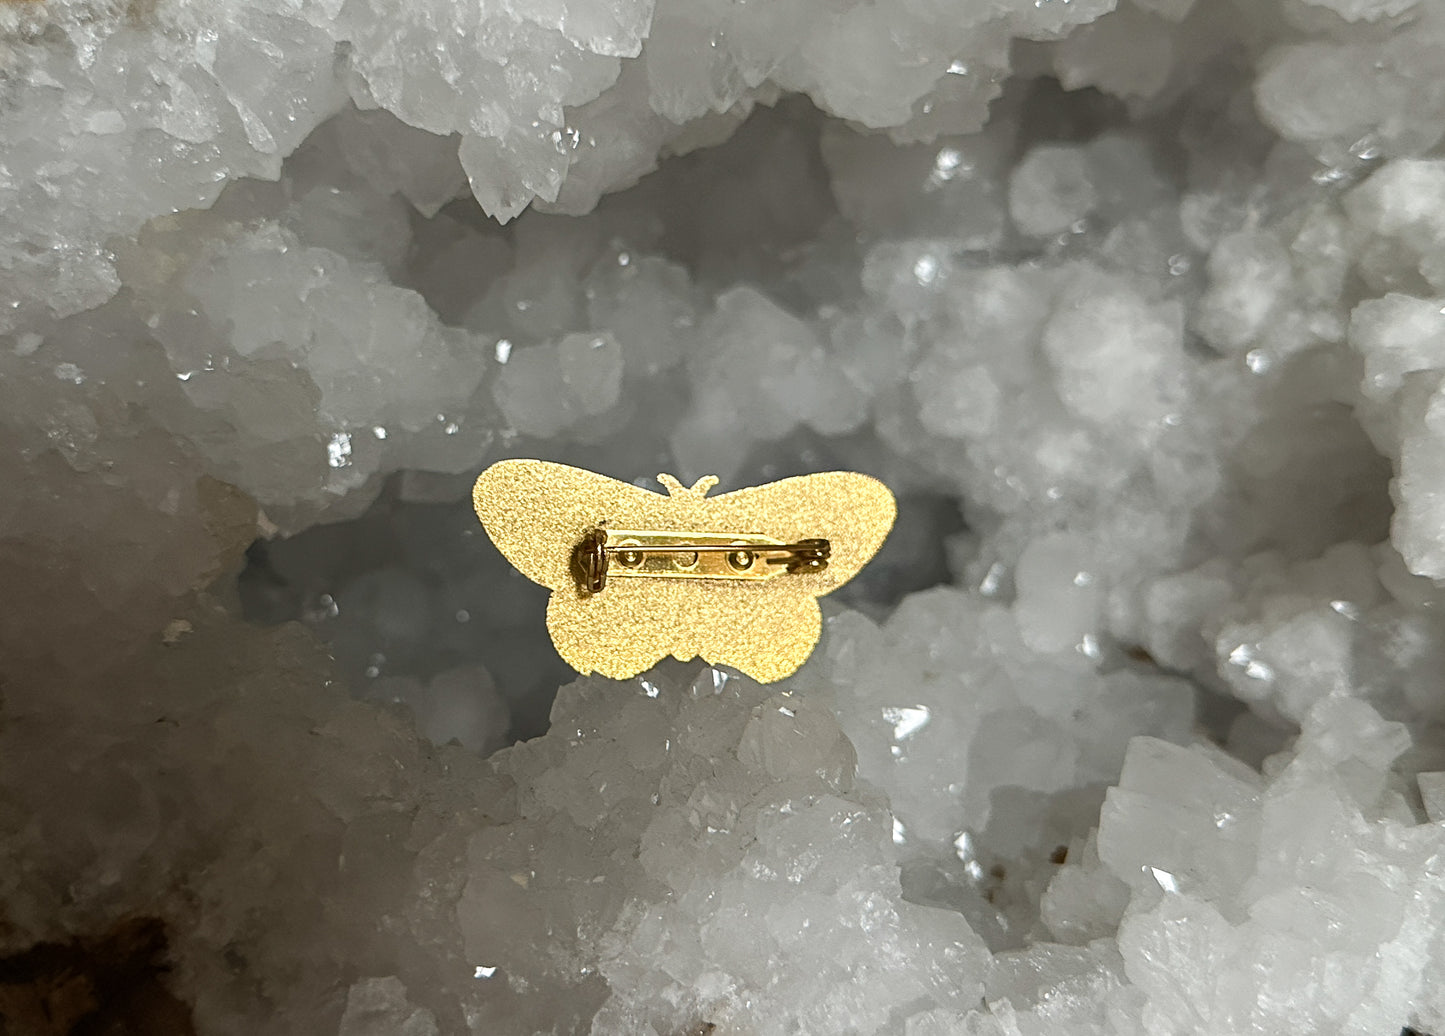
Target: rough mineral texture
{"points": [[1136, 725]]}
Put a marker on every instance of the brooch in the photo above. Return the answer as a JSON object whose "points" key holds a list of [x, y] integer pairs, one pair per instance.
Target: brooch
{"points": [[637, 576]]}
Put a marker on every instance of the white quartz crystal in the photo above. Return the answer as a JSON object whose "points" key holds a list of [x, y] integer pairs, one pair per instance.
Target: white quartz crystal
{"points": [[694, 864], [1051, 190], [1133, 726]]}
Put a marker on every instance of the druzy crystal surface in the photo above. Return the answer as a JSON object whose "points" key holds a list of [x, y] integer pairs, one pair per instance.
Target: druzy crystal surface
{"points": [[1134, 726]]}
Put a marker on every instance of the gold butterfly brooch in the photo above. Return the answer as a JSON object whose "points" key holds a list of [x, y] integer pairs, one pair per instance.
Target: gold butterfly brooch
{"points": [[637, 576]]}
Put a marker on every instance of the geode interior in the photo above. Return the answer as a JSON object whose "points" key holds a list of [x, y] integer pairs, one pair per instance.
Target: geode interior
{"points": [[1135, 726]]}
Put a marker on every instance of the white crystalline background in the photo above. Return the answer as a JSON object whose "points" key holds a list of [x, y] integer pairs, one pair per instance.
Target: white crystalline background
{"points": [[1137, 724]]}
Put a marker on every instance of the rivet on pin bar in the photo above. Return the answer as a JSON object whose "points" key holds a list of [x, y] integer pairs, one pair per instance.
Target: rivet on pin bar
{"points": [[612, 553]]}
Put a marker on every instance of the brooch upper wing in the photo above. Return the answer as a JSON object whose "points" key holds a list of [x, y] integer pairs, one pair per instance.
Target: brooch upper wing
{"points": [[853, 512], [536, 512]]}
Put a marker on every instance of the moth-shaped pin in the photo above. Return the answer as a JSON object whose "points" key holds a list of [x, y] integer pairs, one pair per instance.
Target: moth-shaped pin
{"points": [[637, 575]]}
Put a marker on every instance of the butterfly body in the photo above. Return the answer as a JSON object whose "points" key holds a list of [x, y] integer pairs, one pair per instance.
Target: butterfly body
{"points": [[764, 622]]}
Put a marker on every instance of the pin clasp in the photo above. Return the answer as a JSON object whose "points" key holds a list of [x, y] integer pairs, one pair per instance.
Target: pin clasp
{"points": [[604, 554]]}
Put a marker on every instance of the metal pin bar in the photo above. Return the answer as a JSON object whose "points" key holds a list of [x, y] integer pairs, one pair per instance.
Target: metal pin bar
{"points": [[689, 555]]}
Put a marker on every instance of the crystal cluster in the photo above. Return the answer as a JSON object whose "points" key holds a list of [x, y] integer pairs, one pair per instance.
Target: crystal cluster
{"points": [[1134, 726]]}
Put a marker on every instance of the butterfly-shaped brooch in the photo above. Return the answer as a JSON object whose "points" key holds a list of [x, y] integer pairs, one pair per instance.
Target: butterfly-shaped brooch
{"points": [[637, 576]]}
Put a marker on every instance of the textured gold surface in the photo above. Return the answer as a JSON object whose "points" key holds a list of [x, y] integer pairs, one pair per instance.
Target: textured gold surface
{"points": [[536, 512]]}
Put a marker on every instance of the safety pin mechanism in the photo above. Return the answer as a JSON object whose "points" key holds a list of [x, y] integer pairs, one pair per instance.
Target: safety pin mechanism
{"points": [[611, 553]]}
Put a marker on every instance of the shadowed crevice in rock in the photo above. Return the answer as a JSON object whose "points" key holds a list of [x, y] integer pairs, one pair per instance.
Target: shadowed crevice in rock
{"points": [[102, 985]]}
